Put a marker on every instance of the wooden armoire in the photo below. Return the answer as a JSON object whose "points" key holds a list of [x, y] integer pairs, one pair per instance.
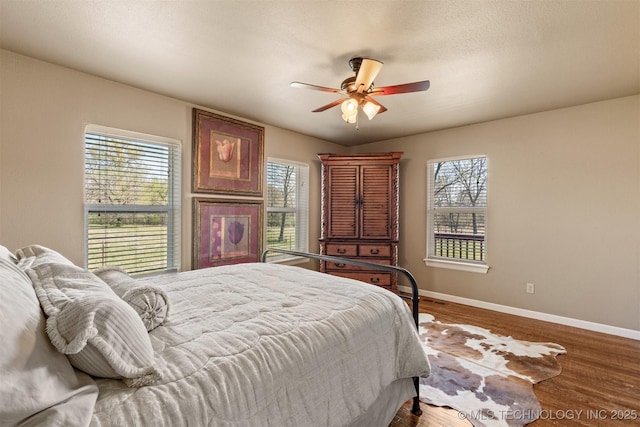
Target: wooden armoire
{"points": [[360, 214]]}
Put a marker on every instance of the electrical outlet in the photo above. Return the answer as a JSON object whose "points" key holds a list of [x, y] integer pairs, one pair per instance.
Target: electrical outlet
{"points": [[531, 288]]}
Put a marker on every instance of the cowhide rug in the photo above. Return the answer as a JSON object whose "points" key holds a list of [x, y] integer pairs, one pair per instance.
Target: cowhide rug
{"points": [[487, 378]]}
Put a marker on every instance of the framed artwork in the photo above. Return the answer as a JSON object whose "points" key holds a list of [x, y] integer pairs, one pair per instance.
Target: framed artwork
{"points": [[227, 155], [226, 231]]}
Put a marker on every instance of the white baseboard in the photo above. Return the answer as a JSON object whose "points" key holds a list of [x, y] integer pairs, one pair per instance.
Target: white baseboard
{"points": [[591, 326]]}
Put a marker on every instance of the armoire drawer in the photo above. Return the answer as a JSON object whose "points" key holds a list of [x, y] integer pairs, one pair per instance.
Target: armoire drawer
{"points": [[361, 249], [374, 250], [379, 279], [339, 266], [342, 249]]}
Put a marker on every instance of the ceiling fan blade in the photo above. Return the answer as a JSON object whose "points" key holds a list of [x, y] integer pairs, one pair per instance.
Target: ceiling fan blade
{"points": [[373, 101], [330, 105], [368, 71], [403, 88], [314, 87]]}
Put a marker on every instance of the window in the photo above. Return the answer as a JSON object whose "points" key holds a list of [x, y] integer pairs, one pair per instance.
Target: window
{"points": [[132, 200], [457, 213], [287, 206]]}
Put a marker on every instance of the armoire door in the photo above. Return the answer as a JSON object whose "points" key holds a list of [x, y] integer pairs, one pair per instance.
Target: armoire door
{"points": [[375, 202], [342, 193]]}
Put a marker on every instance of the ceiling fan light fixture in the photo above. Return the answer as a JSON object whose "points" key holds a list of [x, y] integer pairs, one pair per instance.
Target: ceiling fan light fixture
{"points": [[370, 109], [349, 109], [351, 118]]}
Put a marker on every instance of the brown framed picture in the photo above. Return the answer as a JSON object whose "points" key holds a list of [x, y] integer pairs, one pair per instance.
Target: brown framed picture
{"points": [[227, 155], [226, 231]]}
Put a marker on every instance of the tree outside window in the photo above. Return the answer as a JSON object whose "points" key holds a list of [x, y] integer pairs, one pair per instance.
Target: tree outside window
{"points": [[287, 206], [457, 206], [131, 200]]}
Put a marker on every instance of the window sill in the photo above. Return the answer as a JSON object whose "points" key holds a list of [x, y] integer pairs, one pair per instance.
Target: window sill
{"points": [[456, 265]]}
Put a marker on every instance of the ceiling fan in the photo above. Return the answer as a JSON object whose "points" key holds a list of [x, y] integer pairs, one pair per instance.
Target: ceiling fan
{"points": [[359, 91]]}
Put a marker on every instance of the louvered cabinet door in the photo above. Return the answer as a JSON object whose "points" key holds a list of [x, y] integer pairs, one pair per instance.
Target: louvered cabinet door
{"points": [[375, 202], [342, 196]]}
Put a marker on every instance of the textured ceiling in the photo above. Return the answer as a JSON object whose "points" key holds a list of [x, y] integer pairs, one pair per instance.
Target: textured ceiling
{"points": [[485, 59]]}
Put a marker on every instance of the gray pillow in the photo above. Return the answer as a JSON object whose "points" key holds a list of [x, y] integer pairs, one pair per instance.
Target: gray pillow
{"points": [[100, 333]]}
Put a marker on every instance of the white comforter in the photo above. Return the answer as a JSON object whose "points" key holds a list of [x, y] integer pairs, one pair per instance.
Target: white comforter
{"points": [[268, 345]]}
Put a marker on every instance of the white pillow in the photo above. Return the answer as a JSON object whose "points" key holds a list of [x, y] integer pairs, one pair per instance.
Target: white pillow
{"points": [[7, 255], [34, 255], [100, 333], [39, 385], [150, 302]]}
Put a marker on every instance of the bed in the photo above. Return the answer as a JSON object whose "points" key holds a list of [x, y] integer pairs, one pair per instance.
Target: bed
{"points": [[254, 344]]}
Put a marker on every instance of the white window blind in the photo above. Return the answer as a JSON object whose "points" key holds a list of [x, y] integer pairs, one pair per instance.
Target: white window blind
{"points": [[287, 206], [457, 210], [132, 201]]}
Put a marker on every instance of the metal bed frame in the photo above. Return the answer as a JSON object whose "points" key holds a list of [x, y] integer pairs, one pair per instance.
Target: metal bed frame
{"points": [[414, 297]]}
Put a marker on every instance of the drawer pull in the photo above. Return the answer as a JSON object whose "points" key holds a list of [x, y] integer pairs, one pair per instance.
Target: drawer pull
{"points": [[374, 251], [341, 250], [374, 280], [341, 265]]}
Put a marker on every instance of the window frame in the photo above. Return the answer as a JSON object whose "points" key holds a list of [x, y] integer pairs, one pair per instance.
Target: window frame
{"points": [[301, 210], [172, 209], [431, 260]]}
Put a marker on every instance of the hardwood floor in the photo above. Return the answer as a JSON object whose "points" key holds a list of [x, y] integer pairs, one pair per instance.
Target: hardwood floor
{"points": [[599, 384]]}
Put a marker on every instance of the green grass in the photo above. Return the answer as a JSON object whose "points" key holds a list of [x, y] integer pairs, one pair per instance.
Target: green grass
{"points": [[288, 241], [134, 248]]}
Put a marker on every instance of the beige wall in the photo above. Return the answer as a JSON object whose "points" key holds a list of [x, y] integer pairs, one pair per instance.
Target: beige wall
{"points": [[564, 210], [564, 187], [43, 111]]}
